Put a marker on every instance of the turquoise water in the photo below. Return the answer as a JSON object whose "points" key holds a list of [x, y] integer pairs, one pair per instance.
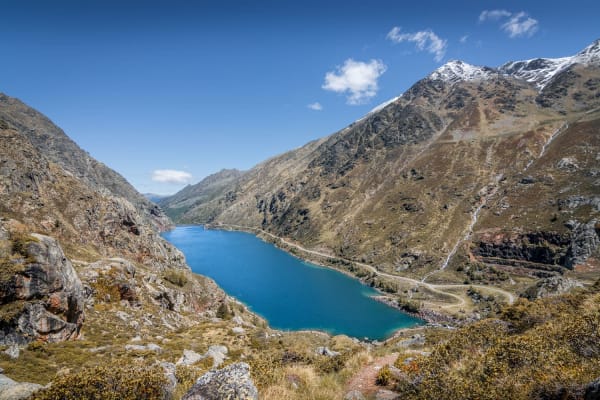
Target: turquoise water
{"points": [[290, 293]]}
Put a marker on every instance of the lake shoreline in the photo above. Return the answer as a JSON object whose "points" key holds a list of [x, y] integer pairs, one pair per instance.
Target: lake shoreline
{"points": [[429, 316], [373, 293]]}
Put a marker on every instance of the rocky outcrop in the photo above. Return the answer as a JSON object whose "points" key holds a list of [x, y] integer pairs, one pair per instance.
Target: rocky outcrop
{"points": [[44, 295], [592, 390], [552, 286], [58, 148], [585, 240], [12, 390], [542, 248], [232, 382], [217, 352]]}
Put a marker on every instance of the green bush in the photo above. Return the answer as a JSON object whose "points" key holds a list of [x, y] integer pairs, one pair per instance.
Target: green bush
{"points": [[176, 277], [408, 305], [384, 376], [223, 311], [109, 382]]}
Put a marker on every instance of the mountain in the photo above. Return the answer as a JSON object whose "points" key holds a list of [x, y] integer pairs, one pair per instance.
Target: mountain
{"points": [[59, 207], [58, 148], [209, 189], [472, 175], [95, 302], [153, 197], [479, 184]]}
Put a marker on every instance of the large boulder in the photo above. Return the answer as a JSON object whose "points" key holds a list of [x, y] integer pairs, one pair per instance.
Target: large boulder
{"points": [[230, 383], [12, 390], [41, 297], [592, 391], [552, 286]]}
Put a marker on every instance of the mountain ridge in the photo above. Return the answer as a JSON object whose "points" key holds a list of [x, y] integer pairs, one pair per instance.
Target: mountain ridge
{"points": [[408, 188]]}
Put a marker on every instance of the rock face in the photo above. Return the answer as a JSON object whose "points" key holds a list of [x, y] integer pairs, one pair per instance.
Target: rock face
{"points": [[12, 390], [584, 241], [232, 383], [50, 140], [592, 391], [552, 286], [217, 352], [49, 292]]}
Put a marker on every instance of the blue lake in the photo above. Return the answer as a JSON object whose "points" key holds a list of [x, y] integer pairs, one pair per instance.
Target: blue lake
{"points": [[290, 293]]}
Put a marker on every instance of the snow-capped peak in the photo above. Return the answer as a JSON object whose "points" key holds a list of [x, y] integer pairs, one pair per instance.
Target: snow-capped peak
{"points": [[590, 54], [540, 71], [454, 71]]}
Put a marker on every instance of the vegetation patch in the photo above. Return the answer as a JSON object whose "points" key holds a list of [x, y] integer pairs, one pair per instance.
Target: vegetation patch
{"points": [[176, 277], [109, 382]]}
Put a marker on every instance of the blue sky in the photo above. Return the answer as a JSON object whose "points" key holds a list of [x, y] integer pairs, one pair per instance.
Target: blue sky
{"points": [[176, 90]]}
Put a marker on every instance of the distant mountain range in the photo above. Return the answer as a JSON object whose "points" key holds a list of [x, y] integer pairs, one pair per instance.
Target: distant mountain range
{"points": [[471, 171]]}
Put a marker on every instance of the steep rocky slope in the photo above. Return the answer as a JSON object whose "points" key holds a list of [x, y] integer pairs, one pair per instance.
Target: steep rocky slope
{"points": [[59, 207], [58, 148], [475, 168], [95, 302]]}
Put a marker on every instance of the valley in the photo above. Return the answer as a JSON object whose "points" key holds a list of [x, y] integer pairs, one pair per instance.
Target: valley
{"points": [[471, 201]]}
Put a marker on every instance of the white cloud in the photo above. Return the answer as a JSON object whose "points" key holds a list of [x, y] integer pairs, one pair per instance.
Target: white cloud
{"points": [[520, 24], [355, 78], [493, 15], [464, 39], [424, 40], [171, 176], [315, 106]]}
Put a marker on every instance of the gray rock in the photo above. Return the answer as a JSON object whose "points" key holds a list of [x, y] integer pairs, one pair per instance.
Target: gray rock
{"points": [[12, 351], [123, 316], [154, 347], [354, 395], [567, 163], [415, 340], [324, 351], [218, 354], [592, 391], [140, 347], [383, 394], [135, 347], [552, 286], [53, 295], [527, 180], [12, 390], [232, 382], [238, 330], [584, 241], [170, 370], [190, 357]]}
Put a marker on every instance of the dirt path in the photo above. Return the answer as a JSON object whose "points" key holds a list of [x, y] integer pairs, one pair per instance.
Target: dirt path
{"points": [[364, 379], [460, 299]]}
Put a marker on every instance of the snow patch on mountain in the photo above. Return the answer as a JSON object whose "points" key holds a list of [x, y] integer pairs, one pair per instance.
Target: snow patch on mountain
{"points": [[383, 105], [540, 71], [456, 71]]}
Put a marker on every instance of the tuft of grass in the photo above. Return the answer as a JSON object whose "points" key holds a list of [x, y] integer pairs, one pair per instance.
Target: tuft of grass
{"points": [[176, 277], [384, 376]]}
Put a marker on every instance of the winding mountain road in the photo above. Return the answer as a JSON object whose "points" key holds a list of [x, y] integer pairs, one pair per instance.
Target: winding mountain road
{"points": [[510, 298]]}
